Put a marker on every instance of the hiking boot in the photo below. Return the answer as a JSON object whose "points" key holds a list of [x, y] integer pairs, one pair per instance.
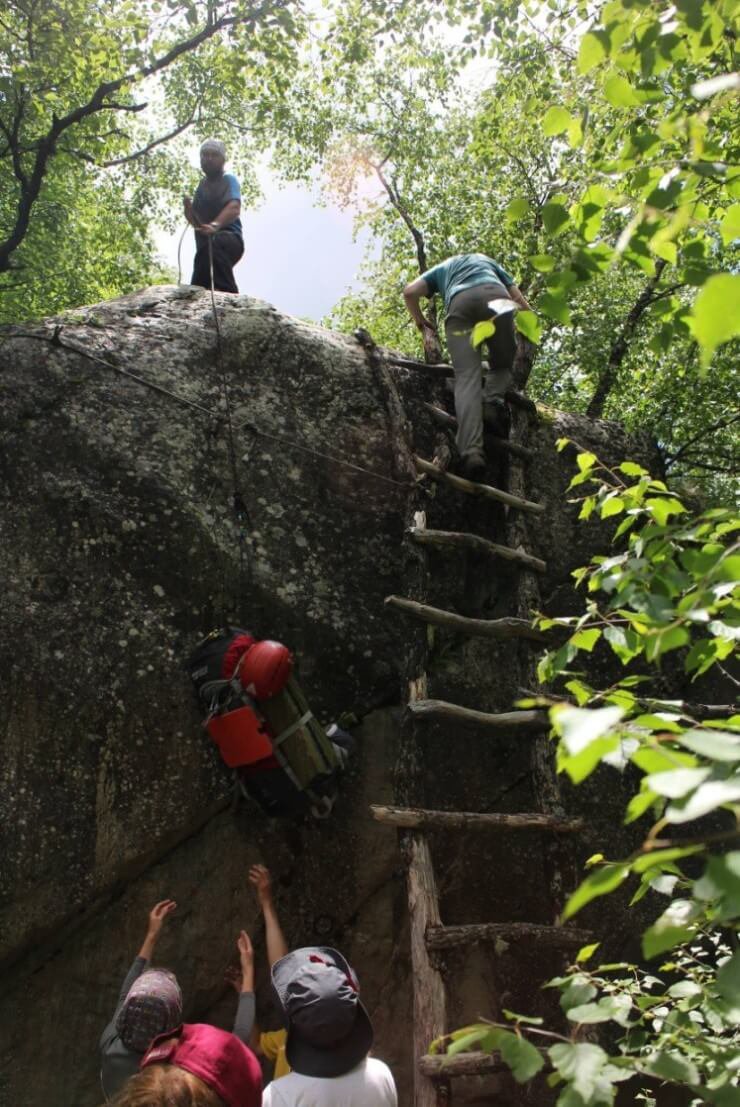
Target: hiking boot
{"points": [[474, 465]]}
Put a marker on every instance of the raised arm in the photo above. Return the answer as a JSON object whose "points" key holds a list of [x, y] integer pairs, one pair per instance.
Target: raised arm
{"points": [[412, 294], [277, 947], [518, 297], [157, 915], [244, 1021]]}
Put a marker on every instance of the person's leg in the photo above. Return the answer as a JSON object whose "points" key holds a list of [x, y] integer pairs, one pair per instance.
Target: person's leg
{"points": [[201, 272], [466, 361], [227, 249], [501, 351], [468, 308]]}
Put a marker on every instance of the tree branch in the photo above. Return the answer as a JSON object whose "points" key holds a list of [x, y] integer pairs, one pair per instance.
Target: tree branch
{"points": [[617, 353], [718, 424], [432, 347], [45, 146]]}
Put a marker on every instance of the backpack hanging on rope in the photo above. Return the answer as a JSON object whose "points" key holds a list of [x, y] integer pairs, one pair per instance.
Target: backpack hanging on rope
{"points": [[258, 717]]}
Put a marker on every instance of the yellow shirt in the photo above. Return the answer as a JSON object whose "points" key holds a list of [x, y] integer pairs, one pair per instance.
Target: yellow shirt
{"points": [[272, 1044]]}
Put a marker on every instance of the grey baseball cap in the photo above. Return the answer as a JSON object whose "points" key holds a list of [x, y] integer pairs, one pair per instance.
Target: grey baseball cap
{"points": [[329, 1031]]}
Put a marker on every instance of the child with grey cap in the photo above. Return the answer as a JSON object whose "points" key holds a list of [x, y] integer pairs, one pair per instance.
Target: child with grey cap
{"points": [[329, 1036]]}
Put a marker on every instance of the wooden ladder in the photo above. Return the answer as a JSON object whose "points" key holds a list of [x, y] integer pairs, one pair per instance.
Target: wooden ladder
{"points": [[433, 1073]]}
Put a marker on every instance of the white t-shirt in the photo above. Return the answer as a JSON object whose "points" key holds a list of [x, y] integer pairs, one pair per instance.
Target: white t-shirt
{"points": [[368, 1085]]}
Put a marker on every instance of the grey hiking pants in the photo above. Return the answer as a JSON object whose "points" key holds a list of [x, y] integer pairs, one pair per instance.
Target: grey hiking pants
{"points": [[466, 309]]}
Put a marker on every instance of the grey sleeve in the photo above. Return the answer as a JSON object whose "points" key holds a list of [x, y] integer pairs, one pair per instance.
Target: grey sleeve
{"points": [[110, 1032], [244, 1021]]}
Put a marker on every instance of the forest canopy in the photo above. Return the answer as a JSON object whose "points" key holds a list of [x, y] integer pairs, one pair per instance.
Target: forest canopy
{"points": [[591, 148]]}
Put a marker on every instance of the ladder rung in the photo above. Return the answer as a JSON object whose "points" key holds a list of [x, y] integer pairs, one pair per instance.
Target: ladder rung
{"points": [[444, 419], [460, 541], [472, 488], [462, 1064], [414, 818], [554, 937], [479, 628], [505, 720]]}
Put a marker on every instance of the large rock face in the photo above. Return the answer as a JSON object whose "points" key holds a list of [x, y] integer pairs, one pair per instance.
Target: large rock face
{"points": [[119, 548]]}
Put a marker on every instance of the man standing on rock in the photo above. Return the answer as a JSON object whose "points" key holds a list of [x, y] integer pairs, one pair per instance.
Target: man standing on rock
{"points": [[467, 283], [214, 212]]}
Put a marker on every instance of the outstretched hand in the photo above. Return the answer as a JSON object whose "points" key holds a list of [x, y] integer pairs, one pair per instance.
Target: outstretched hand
{"points": [[159, 913], [261, 881], [246, 957], [233, 976], [246, 951]]}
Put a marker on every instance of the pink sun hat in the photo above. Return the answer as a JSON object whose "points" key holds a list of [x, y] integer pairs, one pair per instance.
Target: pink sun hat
{"points": [[218, 1058]]}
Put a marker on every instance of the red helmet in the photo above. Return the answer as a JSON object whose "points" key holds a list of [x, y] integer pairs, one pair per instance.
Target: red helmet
{"points": [[265, 668]]}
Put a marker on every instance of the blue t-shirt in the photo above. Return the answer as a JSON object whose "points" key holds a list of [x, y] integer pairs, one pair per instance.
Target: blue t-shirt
{"points": [[464, 271], [211, 197]]}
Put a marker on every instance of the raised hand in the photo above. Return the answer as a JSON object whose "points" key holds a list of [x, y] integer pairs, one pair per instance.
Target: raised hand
{"points": [[159, 913], [246, 957], [261, 881]]}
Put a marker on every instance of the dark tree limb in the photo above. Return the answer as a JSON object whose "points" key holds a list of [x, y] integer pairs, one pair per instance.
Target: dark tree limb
{"points": [[45, 147], [718, 424], [432, 346], [608, 376]]}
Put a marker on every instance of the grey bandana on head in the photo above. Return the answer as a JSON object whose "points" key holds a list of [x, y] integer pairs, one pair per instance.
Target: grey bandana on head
{"points": [[214, 144]]}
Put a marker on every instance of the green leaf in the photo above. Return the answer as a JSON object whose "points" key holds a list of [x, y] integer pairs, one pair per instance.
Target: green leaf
{"points": [[482, 331], [632, 469], [677, 782], [590, 52], [619, 92], [715, 317], [579, 1063], [666, 640], [528, 324], [638, 805], [556, 121], [659, 858], [672, 1066], [579, 989], [608, 1009], [512, 1016], [707, 797], [728, 979], [715, 744], [555, 217], [729, 228], [614, 505], [554, 306], [586, 952], [516, 209], [465, 1041], [524, 1059], [672, 927], [586, 639], [598, 883], [661, 508], [543, 263], [579, 726]]}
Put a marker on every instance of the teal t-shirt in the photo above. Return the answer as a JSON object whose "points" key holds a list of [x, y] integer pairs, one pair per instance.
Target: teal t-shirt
{"points": [[464, 271]]}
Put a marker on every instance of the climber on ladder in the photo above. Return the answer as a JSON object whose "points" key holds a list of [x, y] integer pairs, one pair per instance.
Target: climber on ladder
{"points": [[468, 284], [214, 213]]}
